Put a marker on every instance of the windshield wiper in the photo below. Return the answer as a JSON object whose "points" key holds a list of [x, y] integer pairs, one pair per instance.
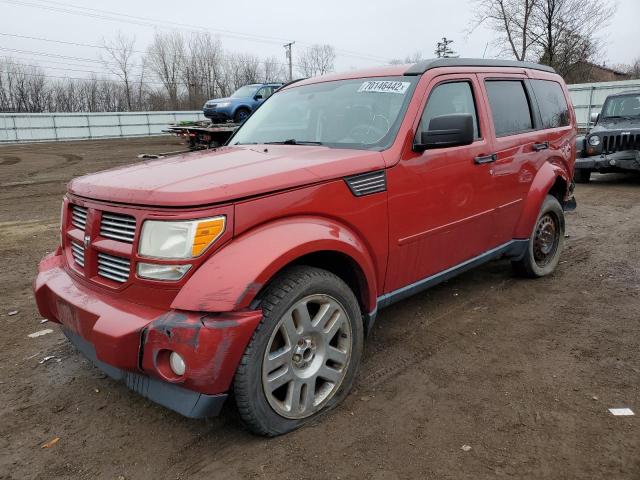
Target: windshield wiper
{"points": [[293, 141]]}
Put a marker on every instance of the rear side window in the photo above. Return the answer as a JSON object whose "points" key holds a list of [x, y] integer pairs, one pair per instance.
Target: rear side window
{"points": [[447, 99], [509, 107], [553, 105]]}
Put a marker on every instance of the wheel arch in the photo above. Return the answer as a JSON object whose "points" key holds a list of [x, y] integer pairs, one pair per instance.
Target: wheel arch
{"points": [[234, 276], [242, 106], [551, 179], [338, 263]]}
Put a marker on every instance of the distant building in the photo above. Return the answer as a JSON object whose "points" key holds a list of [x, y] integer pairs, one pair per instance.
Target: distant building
{"points": [[587, 72]]}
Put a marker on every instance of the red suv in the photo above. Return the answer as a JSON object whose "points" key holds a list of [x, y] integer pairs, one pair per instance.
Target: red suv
{"points": [[258, 268]]}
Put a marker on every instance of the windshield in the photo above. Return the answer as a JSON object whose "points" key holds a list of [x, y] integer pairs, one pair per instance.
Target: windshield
{"points": [[622, 106], [364, 113], [245, 92]]}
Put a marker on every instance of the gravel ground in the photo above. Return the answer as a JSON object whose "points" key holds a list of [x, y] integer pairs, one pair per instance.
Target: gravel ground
{"points": [[522, 372]]}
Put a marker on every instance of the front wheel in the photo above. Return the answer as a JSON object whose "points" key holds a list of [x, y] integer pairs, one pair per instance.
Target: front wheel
{"points": [[241, 115], [546, 242], [304, 354]]}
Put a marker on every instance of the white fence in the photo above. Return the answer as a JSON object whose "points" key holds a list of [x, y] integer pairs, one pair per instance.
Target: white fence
{"points": [[41, 127], [589, 97]]}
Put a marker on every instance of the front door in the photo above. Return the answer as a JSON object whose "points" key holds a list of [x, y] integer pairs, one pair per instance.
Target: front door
{"points": [[441, 201]]}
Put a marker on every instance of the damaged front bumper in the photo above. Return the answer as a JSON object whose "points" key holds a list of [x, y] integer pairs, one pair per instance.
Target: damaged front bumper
{"points": [[628, 160], [132, 343]]}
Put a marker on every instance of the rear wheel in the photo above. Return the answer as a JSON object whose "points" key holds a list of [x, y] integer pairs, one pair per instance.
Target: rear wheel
{"points": [[546, 242], [582, 175], [304, 354]]}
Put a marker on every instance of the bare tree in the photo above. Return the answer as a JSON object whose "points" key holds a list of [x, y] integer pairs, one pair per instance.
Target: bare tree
{"points": [[120, 61], [566, 31], [165, 55], [560, 33], [273, 70], [512, 20], [317, 60], [201, 68]]}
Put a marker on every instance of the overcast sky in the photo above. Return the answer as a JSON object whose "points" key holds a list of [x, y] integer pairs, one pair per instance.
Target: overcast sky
{"points": [[364, 33]]}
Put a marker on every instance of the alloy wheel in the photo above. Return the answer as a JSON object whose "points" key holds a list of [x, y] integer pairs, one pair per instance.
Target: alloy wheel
{"points": [[307, 356]]}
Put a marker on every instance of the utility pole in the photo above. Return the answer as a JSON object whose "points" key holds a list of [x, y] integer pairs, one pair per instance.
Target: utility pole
{"points": [[288, 46]]}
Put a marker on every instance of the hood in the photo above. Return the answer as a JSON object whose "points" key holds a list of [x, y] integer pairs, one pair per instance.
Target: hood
{"points": [[615, 124], [219, 100], [209, 177]]}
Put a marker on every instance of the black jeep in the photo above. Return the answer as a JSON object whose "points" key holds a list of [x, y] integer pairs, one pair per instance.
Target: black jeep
{"points": [[613, 144]]}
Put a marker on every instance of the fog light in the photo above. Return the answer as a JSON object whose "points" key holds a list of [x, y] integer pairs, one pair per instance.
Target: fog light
{"points": [[162, 272], [177, 364]]}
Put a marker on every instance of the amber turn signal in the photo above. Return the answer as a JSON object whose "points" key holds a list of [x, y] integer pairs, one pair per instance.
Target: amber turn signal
{"points": [[206, 233]]}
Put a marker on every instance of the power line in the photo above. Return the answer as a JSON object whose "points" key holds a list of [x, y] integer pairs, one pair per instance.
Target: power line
{"points": [[145, 21], [40, 62], [77, 44], [20, 64], [84, 79], [93, 60]]}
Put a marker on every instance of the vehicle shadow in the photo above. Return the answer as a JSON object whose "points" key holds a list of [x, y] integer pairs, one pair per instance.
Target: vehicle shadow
{"points": [[622, 179]]}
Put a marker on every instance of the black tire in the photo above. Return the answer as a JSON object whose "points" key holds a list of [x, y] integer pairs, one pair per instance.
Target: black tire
{"points": [[582, 175], [286, 291], [241, 115], [537, 261]]}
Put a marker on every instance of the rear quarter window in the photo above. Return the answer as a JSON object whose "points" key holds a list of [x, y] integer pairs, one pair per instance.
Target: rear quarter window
{"points": [[509, 107], [552, 102]]}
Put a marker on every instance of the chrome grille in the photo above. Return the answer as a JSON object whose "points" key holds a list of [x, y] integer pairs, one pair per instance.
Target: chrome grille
{"points": [[78, 216], [118, 227], [620, 142], [78, 253], [113, 268], [367, 183]]}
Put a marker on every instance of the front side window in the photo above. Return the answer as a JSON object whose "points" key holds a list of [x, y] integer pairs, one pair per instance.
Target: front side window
{"points": [[623, 106], [362, 113], [449, 99], [553, 105], [265, 92], [509, 107]]}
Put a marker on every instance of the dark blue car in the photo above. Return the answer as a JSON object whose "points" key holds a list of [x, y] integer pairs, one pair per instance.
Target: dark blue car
{"points": [[240, 104]]}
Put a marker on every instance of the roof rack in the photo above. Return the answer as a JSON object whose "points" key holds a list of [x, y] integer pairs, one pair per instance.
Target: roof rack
{"points": [[424, 65]]}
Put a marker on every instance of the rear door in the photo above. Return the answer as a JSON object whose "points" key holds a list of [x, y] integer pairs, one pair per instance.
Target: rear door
{"points": [[556, 126], [441, 200], [518, 146]]}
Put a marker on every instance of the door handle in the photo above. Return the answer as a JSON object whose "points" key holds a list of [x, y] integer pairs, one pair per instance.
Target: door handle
{"points": [[540, 146], [485, 159]]}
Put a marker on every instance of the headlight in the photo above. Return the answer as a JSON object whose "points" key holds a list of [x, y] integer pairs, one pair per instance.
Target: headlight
{"points": [[179, 239], [594, 140], [224, 104]]}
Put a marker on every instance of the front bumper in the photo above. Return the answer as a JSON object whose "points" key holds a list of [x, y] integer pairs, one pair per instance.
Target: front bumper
{"points": [[217, 115], [186, 402], [620, 161], [132, 342]]}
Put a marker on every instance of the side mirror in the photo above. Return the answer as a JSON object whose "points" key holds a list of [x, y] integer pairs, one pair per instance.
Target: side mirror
{"points": [[595, 116], [447, 131], [258, 97]]}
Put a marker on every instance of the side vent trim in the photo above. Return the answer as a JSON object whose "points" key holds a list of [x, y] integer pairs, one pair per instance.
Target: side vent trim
{"points": [[367, 183]]}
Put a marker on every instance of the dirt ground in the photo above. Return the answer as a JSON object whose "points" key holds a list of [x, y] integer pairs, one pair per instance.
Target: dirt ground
{"points": [[521, 371]]}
